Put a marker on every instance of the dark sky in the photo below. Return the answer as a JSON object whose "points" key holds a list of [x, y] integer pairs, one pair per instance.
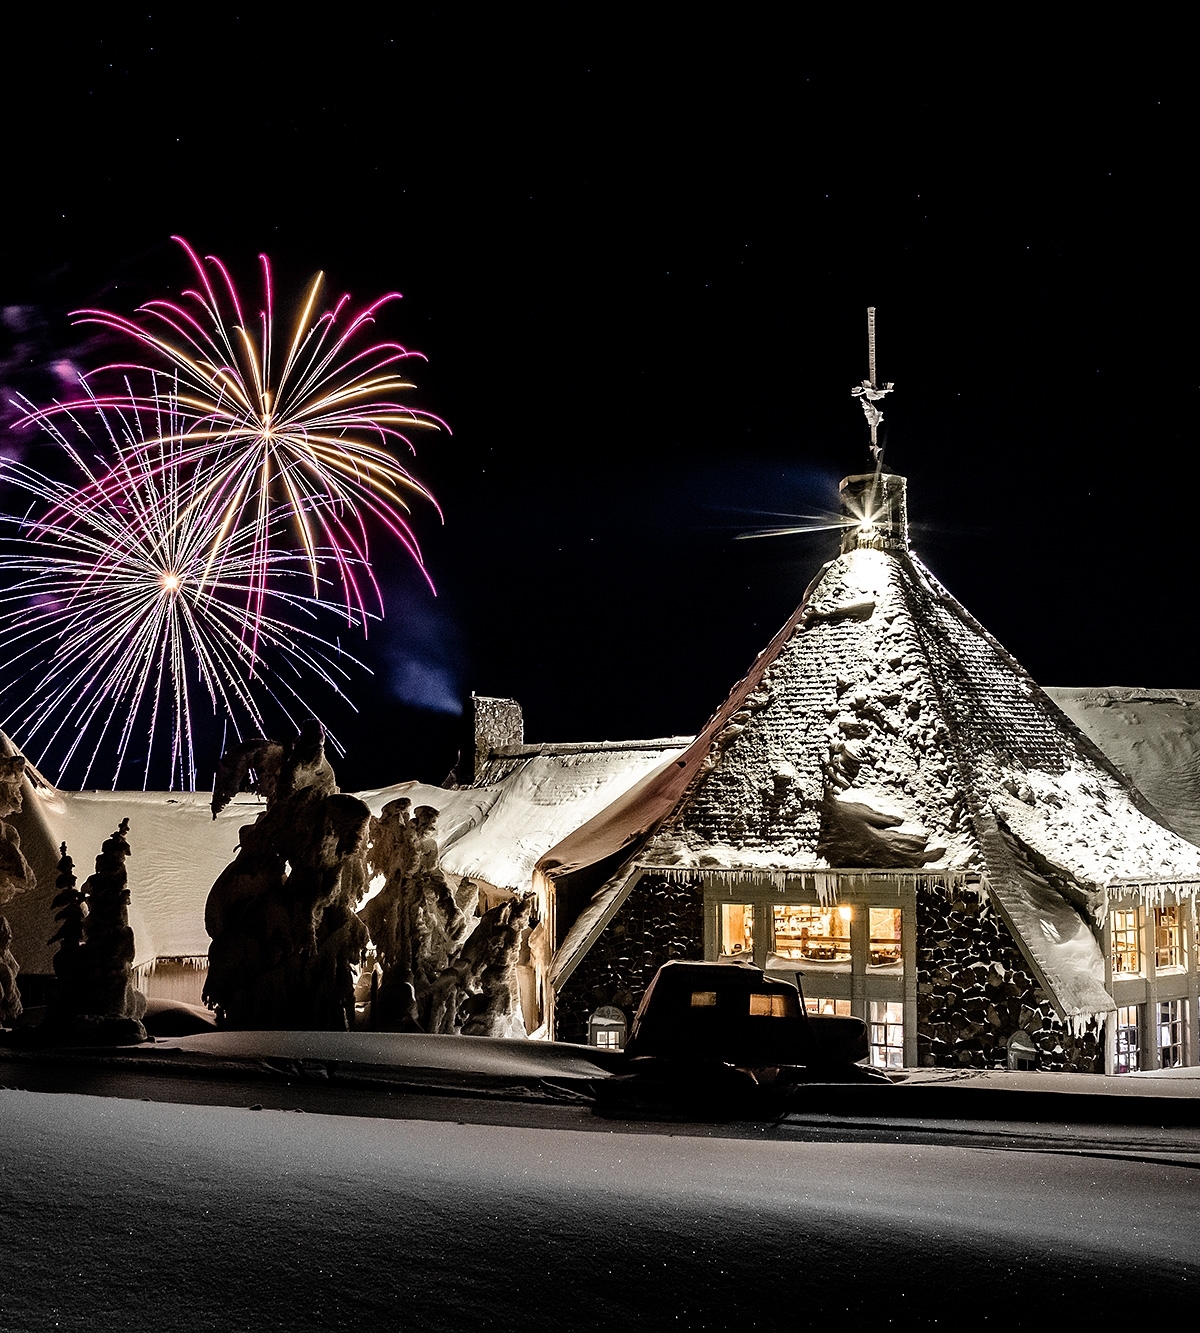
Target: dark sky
{"points": [[639, 258]]}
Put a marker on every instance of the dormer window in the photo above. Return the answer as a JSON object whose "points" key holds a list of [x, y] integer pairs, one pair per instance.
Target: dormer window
{"points": [[607, 1028]]}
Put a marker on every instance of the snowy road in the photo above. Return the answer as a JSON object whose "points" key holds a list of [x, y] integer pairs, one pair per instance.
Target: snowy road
{"points": [[127, 1214]]}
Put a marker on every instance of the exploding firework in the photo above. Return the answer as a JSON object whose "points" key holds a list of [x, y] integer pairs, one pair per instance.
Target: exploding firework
{"points": [[118, 621], [301, 429]]}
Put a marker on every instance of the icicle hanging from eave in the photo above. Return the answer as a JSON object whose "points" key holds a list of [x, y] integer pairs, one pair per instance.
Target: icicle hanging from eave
{"points": [[827, 885], [1079, 1024], [144, 971], [1152, 893]]}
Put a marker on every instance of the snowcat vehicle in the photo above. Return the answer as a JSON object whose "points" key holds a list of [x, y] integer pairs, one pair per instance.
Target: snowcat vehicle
{"points": [[724, 1040]]}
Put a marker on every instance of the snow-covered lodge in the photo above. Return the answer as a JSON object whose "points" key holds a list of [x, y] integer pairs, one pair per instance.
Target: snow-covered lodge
{"points": [[887, 804], [890, 805]]}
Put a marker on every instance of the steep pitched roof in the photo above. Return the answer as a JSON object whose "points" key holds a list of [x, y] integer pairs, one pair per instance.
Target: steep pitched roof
{"points": [[529, 797], [885, 728], [1153, 736]]}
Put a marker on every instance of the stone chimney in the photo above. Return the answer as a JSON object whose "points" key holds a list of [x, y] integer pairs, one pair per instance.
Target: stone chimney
{"points": [[494, 723], [875, 503]]}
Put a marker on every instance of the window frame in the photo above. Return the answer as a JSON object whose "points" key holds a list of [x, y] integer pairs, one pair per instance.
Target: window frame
{"points": [[1176, 1023], [1157, 982], [855, 985], [1129, 1018]]}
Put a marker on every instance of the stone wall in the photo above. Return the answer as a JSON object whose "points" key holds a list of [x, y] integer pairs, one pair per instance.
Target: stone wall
{"points": [[974, 990], [494, 723], [660, 920]]}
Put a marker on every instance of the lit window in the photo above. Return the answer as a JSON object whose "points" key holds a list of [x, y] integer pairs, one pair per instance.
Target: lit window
{"points": [[885, 937], [827, 1008], [607, 1028], [1022, 1053], [1170, 1033], [1168, 937], [703, 999], [768, 1006], [1127, 1040], [887, 1034], [1126, 956], [737, 928], [815, 934]]}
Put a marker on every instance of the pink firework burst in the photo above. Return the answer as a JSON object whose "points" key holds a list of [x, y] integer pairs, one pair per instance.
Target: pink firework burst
{"points": [[305, 425]]}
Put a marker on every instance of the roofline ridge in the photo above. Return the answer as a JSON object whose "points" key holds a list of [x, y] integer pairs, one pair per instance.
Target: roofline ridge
{"points": [[743, 689], [557, 863], [1093, 752]]}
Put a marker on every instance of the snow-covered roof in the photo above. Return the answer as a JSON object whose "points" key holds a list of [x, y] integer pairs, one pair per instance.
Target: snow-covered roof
{"points": [[885, 728], [178, 850], [1153, 736], [494, 833], [497, 832]]}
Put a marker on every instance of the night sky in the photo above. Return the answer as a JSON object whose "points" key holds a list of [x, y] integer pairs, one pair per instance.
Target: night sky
{"points": [[639, 257]]}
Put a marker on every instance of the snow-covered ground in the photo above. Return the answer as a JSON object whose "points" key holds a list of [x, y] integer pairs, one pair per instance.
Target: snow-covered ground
{"points": [[133, 1215]]}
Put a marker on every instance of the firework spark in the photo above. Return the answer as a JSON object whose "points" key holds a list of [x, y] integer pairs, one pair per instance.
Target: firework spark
{"points": [[120, 617], [301, 427]]}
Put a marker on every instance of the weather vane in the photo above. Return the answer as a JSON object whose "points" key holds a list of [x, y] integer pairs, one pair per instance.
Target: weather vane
{"points": [[868, 392]]}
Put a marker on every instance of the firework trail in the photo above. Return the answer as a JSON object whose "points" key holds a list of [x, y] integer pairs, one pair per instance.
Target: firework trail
{"points": [[300, 428], [119, 616]]}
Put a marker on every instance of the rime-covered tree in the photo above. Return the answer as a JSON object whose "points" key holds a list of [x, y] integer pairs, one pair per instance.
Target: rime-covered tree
{"points": [[445, 968], [16, 876], [10, 995], [97, 999], [286, 939], [70, 911]]}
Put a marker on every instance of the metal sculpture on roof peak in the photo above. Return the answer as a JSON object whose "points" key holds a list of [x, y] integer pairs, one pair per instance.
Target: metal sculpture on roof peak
{"points": [[869, 393]]}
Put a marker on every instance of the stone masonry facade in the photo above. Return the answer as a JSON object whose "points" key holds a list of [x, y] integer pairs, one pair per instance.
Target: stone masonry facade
{"points": [[974, 991], [974, 988], [661, 919]]}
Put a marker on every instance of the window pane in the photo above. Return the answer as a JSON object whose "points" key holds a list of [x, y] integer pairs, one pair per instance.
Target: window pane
{"points": [[1126, 955], [1127, 1040], [1170, 1033], [703, 999], [814, 934], [886, 1034], [737, 928], [1168, 937], [833, 1008], [885, 937]]}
